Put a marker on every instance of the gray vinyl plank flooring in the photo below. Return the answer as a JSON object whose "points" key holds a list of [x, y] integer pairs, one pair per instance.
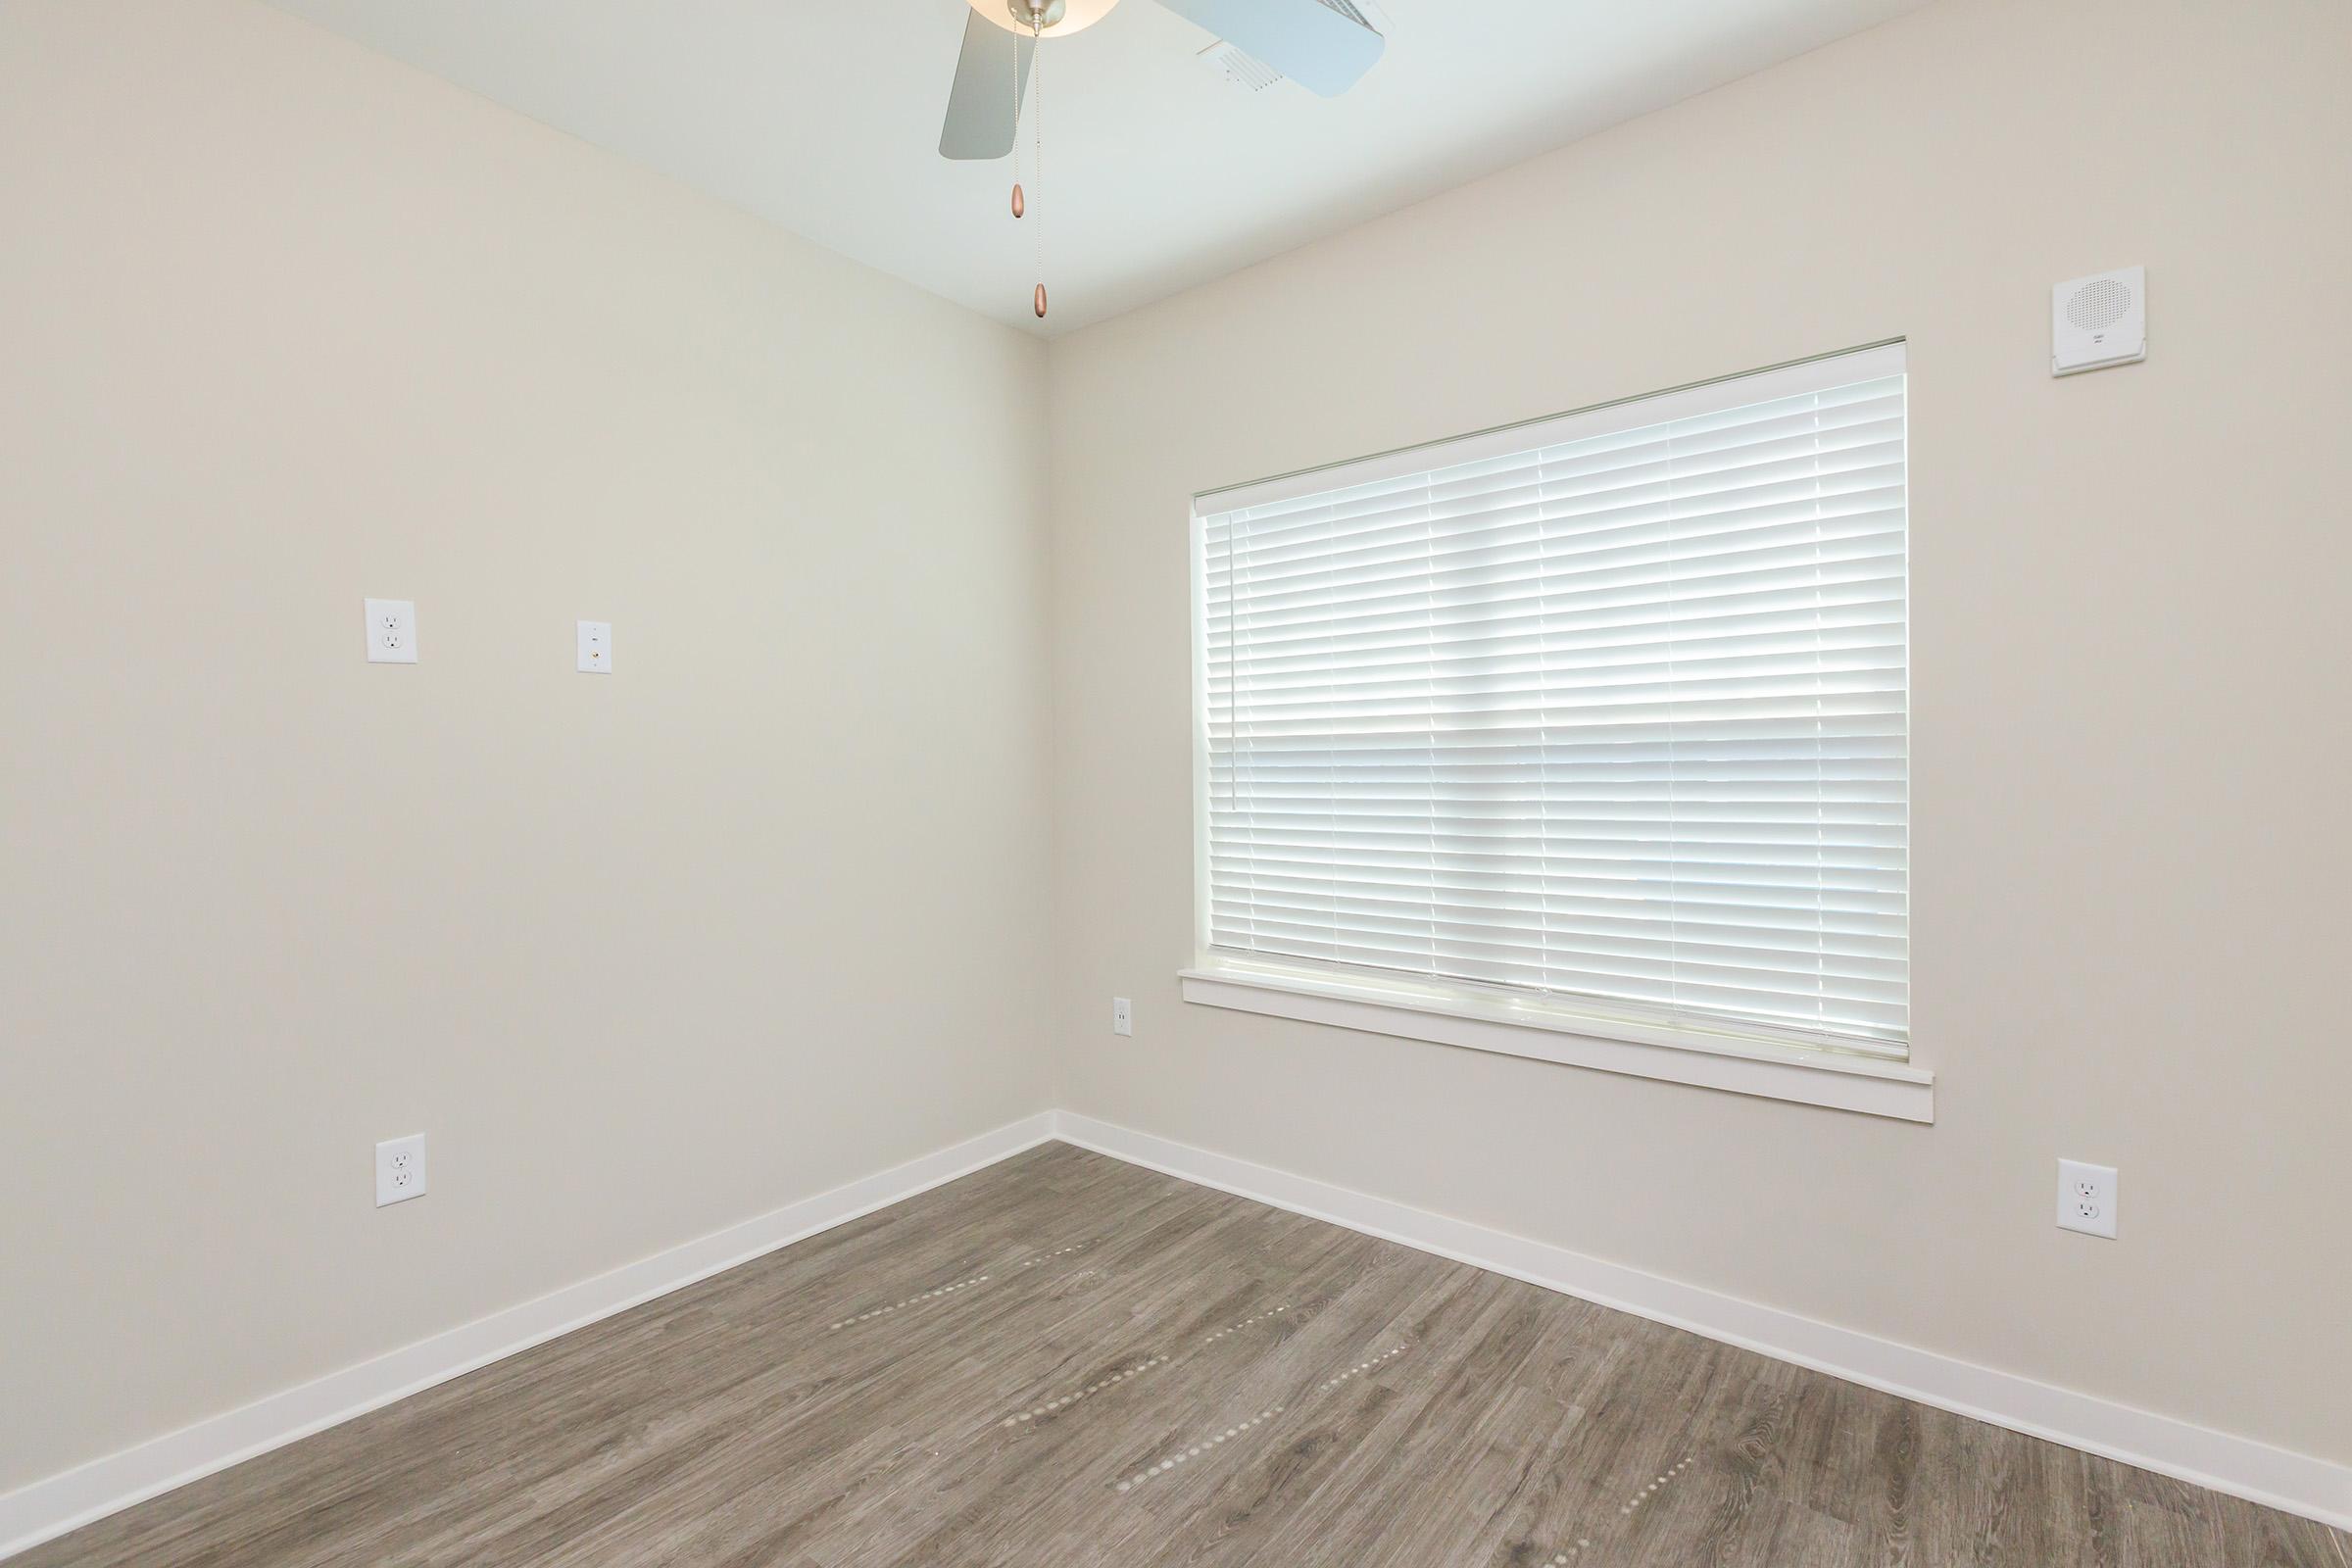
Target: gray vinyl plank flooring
{"points": [[1064, 1360]]}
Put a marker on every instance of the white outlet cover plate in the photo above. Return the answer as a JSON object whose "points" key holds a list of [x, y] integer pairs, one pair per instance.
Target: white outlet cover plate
{"points": [[400, 1169], [1122, 1016], [2086, 1197], [391, 631], [596, 648]]}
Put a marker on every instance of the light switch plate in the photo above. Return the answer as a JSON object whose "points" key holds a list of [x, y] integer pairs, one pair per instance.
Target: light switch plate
{"points": [[391, 631], [2086, 1197], [596, 647]]}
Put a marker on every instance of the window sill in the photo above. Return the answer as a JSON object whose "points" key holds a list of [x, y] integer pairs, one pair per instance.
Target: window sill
{"points": [[1516, 1028]]}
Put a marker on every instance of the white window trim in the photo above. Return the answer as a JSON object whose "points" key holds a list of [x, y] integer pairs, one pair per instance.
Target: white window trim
{"points": [[1540, 1030], [1508, 1023]]}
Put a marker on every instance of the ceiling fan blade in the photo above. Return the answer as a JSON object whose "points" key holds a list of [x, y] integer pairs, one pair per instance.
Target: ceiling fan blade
{"points": [[983, 111], [1316, 43]]}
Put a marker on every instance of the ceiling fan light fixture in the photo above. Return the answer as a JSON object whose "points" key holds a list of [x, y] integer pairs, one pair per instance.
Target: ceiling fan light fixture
{"points": [[1062, 17], [1324, 45]]}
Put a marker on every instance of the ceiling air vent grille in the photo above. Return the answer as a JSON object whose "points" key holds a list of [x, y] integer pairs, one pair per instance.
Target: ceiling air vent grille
{"points": [[1229, 63]]}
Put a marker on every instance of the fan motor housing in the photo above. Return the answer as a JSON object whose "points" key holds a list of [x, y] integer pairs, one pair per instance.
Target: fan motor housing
{"points": [[1058, 16]]}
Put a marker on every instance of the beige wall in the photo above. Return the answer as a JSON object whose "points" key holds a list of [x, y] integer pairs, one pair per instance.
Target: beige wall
{"points": [[283, 325], [2130, 850]]}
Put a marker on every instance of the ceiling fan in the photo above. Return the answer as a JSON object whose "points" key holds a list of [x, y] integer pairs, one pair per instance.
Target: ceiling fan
{"points": [[1323, 45]]}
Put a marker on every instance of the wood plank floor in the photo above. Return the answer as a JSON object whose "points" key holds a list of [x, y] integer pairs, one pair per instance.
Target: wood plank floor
{"points": [[1066, 1360]]}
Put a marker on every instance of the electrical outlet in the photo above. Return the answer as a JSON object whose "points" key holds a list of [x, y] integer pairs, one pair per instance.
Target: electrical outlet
{"points": [[596, 648], [1122, 1016], [2086, 1199], [391, 631], [400, 1169]]}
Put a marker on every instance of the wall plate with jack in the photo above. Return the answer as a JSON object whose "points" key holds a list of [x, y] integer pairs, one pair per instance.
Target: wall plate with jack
{"points": [[1122, 1016], [400, 1169], [2086, 1199], [596, 648]]}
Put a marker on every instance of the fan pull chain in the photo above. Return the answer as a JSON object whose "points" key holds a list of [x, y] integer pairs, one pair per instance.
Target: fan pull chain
{"points": [[1020, 203], [1037, 163]]}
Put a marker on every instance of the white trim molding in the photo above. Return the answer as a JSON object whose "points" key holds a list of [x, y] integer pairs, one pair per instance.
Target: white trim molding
{"points": [[2299, 1483], [1744, 1065], [67, 1501], [2277, 1478]]}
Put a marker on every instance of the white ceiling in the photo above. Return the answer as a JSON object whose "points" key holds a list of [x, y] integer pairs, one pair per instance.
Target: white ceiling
{"points": [[826, 119]]}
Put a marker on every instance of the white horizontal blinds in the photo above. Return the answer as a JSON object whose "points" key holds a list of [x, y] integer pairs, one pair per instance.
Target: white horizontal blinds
{"points": [[1620, 714]]}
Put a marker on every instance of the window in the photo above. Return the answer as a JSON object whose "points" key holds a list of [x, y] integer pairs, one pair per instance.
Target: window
{"points": [[1606, 712]]}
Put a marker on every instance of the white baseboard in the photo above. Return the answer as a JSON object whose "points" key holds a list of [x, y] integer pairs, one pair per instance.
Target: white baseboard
{"points": [[2298, 1484], [2277, 1478], [68, 1500]]}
